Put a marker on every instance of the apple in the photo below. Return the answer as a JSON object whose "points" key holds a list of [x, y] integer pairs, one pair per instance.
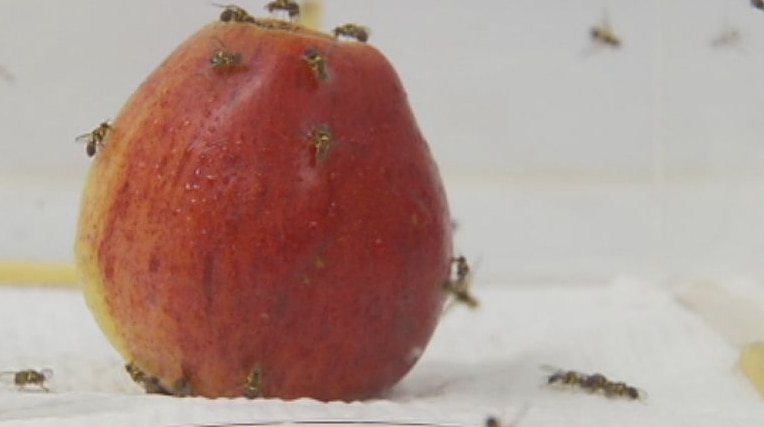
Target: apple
{"points": [[264, 218]]}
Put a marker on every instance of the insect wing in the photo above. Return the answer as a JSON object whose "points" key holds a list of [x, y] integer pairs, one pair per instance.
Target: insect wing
{"points": [[85, 137], [47, 373]]}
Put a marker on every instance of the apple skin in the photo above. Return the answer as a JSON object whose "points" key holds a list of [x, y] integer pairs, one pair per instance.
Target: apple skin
{"points": [[215, 237]]}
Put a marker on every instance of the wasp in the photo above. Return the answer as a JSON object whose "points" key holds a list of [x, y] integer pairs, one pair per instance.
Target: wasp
{"points": [[322, 141], [27, 377], [758, 4], [290, 7], [94, 139], [253, 387], [594, 383], [149, 383], [152, 385], [620, 389], [233, 13], [459, 287], [357, 32], [317, 62], [604, 35], [225, 59], [567, 378], [182, 388]]}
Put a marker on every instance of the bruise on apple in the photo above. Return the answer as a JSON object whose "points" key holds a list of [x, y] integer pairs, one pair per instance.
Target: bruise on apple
{"points": [[209, 242]]}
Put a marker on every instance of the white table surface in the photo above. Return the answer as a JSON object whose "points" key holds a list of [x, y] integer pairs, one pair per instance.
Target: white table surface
{"points": [[479, 363]]}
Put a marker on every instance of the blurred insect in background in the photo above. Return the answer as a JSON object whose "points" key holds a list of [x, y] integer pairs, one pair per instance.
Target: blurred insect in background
{"points": [[728, 37], [758, 4], [594, 383], [311, 14], [353, 31], [604, 35], [233, 13], [27, 377], [94, 139], [225, 59], [459, 286], [6, 75], [291, 8]]}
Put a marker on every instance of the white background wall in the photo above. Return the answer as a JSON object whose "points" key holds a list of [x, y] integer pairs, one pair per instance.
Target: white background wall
{"points": [[562, 160]]}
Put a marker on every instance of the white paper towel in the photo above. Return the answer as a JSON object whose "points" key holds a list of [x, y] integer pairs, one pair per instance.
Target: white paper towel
{"points": [[480, 363]]}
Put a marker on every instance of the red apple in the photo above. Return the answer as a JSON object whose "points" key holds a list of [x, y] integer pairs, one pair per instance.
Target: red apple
{"points": [[265, 203]]}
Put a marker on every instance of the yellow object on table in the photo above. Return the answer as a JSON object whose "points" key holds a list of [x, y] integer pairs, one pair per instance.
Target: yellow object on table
{"points": [[311, 14], [37, 273], [752, 364]]}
